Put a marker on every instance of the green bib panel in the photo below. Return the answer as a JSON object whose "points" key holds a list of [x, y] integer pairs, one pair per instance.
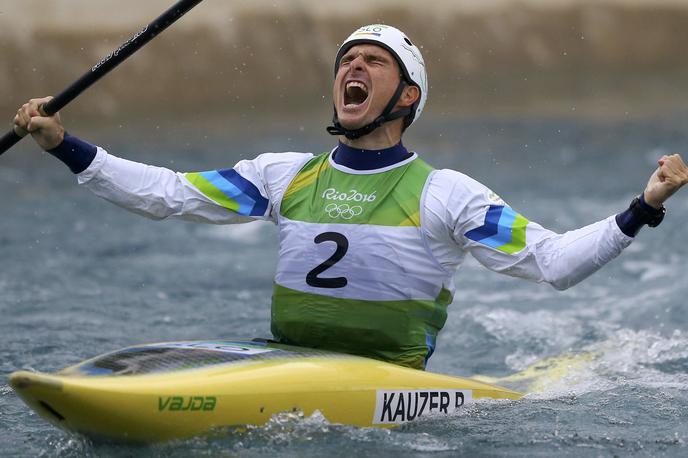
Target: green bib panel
{"points": [[354, 272]]}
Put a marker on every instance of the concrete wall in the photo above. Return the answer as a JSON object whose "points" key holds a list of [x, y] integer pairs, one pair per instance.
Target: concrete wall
{"points": [[604, 57]]}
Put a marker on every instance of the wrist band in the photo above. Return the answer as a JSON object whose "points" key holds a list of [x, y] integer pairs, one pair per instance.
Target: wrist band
{"points": [[646, 213], [74, 152], [639, 213]]}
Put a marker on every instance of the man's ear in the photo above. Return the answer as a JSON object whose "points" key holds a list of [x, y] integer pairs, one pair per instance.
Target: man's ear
{"points": [[409, 96]]}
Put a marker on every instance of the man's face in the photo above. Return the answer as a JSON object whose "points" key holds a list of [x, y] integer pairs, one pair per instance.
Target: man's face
{"points": [[366, 80]]}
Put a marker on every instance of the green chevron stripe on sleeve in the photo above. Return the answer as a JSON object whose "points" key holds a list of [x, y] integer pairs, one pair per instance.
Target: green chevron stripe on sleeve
{"points": [[211, 191], [518, 236]]}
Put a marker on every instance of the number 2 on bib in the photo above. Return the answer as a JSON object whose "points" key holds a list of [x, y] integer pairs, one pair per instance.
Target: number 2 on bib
{"points": [[312, 278]]}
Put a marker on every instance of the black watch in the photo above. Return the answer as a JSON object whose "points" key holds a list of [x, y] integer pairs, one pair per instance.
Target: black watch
{"points": [[651, 218]]}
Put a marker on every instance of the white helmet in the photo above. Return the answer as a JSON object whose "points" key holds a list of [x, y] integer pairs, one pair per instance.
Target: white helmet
{"points": [[407, 54]]}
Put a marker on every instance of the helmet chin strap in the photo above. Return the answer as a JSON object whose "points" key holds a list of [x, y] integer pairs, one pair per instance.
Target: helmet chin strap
{"points": [[386, 116]]}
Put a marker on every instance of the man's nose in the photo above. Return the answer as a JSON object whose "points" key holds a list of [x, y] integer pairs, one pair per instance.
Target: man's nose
{"points": [[358, 62]]}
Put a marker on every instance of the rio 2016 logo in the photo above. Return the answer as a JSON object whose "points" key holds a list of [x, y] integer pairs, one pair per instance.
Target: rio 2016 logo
{"points": [[350, 195], [344, 211]]}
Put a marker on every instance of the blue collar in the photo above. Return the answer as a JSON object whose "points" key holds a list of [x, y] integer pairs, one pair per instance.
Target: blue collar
{"points": [[365, 159]]}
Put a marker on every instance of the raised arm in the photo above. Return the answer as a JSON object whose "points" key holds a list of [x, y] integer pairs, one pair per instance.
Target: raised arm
{"points": [[501, 239], [239, 194]]}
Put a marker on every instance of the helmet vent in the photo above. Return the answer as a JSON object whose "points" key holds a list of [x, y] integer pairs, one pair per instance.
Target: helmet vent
{"points": [[408, 41]]}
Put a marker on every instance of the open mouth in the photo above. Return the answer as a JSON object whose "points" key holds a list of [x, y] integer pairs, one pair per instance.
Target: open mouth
{"points": [[355, 93]]}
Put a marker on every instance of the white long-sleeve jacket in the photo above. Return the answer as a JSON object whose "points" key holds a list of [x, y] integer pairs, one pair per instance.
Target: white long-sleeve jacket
{"points": [[459, 214]]}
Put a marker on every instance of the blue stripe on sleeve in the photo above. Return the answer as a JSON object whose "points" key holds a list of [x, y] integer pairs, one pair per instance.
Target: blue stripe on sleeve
{"points": [[503, 236], [490, 228], [248, 188], [228, 188]]}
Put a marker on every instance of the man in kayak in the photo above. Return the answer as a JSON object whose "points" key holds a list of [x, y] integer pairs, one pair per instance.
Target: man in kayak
{"points": [[370, 235]]}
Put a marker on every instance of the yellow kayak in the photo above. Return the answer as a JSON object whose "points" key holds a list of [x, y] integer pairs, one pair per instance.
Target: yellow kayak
{"points": [[174, 390]]}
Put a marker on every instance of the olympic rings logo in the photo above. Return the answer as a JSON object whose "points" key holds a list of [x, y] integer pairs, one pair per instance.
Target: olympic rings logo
{"points": [[344, 211]]}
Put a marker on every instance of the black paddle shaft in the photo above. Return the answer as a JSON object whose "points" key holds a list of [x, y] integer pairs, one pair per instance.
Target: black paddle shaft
{"points": [[109, 62]]}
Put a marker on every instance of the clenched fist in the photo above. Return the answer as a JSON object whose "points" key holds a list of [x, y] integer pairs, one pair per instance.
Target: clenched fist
{"points": [[671, 174]]}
